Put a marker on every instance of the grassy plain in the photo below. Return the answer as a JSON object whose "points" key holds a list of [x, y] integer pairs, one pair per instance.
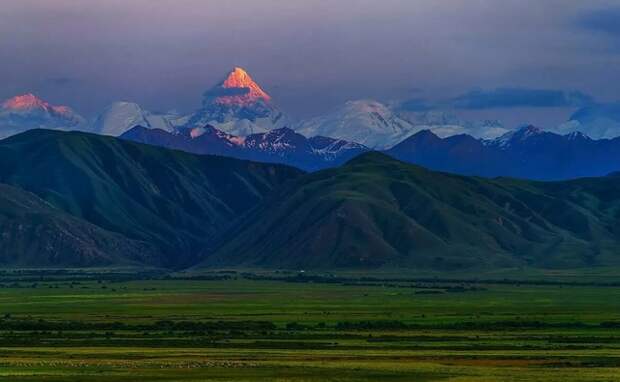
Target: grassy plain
{"points": [[231, 327]]}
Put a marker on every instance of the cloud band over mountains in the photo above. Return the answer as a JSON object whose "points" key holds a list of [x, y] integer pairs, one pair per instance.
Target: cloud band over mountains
{"points": [[520, 97], [225, 92], [601, 20], [505, 98]]}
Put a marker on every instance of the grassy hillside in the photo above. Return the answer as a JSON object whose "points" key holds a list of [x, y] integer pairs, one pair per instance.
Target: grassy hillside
{"points": [[36, 234], [176, 201], [376, 211]]}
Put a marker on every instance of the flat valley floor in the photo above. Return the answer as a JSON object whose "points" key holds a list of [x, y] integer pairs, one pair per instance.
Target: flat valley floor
{"points": [[229, 326]]}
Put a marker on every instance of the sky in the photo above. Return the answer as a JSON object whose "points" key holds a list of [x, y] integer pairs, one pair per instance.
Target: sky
{"points": [[521, 61]]}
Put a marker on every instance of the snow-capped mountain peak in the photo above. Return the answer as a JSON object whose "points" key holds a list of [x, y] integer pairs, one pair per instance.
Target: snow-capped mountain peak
{"points": [[121, 116], [27, 111], [238, 106], [380, 126], [242, 89], [28, 103], [367, 122], [25, 102], [520, 134]]}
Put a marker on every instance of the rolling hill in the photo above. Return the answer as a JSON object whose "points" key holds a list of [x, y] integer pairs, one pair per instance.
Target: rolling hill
{"points": [[176, 201], [76, 199], [376, 211]]}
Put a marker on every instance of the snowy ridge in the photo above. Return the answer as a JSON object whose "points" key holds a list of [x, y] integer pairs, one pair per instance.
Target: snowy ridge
{"points": [[279, 145], [119, 117], [446, 124], [380, 126], [367, 122], [508, 139]]}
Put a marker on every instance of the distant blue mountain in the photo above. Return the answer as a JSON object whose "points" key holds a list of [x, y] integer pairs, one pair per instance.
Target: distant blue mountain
{"points": [[276, 146], [525, 153], [528, 153]]}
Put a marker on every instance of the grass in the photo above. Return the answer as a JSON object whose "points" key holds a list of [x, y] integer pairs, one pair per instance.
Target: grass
{"points": [[269, 330]]}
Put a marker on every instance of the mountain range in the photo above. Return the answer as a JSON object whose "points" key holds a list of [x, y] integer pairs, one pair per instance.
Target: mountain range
{"points": [[277, 146], [240, 107], [376, 211], [528, 153], [238, 118], [173, 203], [79, 199]]}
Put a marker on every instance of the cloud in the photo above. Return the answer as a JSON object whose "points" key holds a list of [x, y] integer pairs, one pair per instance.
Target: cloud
{"points": [[602, 20], [417, 104], [610, 111], [503, 98], [226, 92], [519, 97]]}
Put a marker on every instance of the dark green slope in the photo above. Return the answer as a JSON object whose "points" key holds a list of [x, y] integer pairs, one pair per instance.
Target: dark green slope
{"points": [[33, 233], [376, 211], [177, 201]]}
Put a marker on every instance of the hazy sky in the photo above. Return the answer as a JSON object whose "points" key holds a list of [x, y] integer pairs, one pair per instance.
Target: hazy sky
{"points": [[480, 56]]}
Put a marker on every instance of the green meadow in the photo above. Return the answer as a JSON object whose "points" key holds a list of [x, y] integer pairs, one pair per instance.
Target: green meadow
{"points": [[286, 327]]}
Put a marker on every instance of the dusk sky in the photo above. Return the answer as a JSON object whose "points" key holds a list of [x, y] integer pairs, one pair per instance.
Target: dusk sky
{"points": [[522, 61]]}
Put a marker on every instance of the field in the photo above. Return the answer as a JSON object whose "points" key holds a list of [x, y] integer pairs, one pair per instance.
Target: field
{"points": [[231, 326]]}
